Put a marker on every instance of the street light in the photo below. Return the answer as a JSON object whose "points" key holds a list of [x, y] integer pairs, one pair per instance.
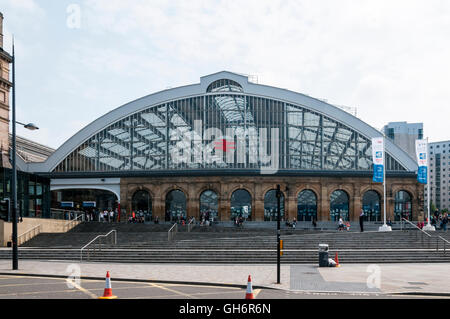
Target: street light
{"points": [[30, 126]]}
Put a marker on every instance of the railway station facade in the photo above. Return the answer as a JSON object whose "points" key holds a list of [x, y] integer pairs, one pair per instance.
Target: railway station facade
{"points": [[222, 146]]}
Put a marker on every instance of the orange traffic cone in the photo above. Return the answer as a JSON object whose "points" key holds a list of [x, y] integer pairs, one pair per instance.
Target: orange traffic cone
{"points": [[336, 259], [249, 294], [108, 290]]}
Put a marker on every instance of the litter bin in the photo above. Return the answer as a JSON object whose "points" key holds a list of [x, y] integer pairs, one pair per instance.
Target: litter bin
{"points": [[323, 255]]}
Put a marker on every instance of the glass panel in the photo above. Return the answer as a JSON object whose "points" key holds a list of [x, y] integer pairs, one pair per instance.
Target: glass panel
{"points": [[339, 206], [307, 206], [141, 205], [403, 206], [146, 140], [271, 206], [241, 205], [209, 206], [176, 206], [371, 206]]}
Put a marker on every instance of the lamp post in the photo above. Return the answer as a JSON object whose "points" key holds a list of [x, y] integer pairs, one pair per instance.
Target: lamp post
{"points": [[278, 194], [30, 126]]}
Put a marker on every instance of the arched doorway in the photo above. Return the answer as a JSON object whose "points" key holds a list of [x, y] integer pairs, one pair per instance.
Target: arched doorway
{"points": [[371, 206], [403, 206], [306, 206], [175, 206], [141, 205], [241, 204], [271, 206], [209, 205], [339, 206]]}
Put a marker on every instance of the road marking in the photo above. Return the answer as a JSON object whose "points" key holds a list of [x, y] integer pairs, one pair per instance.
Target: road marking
{"points": [[85, 291], [32, 284], [202, 286], [172, 290], [196, 294]]}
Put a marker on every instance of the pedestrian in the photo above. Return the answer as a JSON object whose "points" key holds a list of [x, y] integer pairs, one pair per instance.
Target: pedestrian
{"points": [[389, 222], [361, 220], [341, 224], [445, 222]]}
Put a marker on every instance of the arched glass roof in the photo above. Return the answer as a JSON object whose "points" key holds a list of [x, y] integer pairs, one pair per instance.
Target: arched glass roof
{"points": [[225, 122], [224, 131]]}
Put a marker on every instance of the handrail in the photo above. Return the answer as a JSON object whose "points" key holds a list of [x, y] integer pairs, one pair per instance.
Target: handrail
{"points": [[172, 231], [28, 232], [437, 237], [403, 219], [70, 223], [93, 240], [191, 225]]}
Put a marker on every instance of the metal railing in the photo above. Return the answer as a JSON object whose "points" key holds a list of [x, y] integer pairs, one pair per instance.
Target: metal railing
{"points": [[33, 232], [72, 223], [99, 244], [65, 214], [430, 237], [191, 225], [172, 232]]}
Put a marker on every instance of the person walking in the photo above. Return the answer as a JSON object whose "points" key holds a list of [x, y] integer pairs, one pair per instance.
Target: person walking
{"points": [[361, 220], [445, 222]]}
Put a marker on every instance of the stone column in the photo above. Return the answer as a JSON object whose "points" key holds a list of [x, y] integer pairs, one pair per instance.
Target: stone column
{"points": [[224, 203], [323, 213], [355, 208], [291, 204]]}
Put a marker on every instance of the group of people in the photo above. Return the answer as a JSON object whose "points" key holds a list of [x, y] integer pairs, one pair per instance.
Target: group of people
{"points": [[206, 218], [292, 224], [440, 220], [95, 215], [238, 221]]}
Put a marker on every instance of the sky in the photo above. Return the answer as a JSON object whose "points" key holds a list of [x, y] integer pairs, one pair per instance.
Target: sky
{"points": [[77, 60]]}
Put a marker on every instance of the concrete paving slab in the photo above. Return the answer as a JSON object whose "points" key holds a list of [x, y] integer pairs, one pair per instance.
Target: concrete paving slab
{"points": [[351, 278]]}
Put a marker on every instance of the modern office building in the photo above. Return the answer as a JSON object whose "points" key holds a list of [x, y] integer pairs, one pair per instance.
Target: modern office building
{"points": [[440, 174], [222, 146], [404, 135]]}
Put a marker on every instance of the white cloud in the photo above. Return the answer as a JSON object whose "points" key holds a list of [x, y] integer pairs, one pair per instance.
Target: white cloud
{"points": [[388, 58]]}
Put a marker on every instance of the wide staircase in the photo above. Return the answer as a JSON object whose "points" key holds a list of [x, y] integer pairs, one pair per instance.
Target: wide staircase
{"points": [[141, 243]]}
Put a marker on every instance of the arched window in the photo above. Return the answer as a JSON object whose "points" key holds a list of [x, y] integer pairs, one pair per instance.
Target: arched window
{"points": [[271, 206], [241, 204], [339, 205], [371, 206], [141, 205], [403, 206], [224, 85], [175, 206], [209, 205], [307, 206]]}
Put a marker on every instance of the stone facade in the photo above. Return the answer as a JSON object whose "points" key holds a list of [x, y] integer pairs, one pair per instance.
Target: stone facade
{"points": [[258, 186], [5, 87]]}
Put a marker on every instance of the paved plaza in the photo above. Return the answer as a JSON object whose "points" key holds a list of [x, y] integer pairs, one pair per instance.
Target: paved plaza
{"points": [[347, 279]]}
